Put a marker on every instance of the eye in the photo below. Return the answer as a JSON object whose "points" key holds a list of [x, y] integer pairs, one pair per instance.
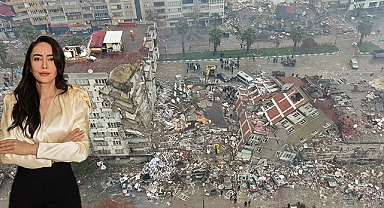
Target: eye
{"points": [[36, 59], [51, 59]]}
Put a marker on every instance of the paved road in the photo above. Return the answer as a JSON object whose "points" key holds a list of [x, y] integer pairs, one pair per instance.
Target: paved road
{"points": [[330, 66]]}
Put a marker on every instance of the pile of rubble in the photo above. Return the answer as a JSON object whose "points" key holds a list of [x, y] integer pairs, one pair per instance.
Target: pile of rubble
{"points": [[193, 153]]}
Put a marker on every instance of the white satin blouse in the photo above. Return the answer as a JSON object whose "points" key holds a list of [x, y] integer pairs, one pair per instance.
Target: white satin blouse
{"points": [[65, 113]]}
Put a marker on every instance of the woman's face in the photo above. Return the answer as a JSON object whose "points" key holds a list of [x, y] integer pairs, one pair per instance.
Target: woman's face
{"points": [[42, 64]]}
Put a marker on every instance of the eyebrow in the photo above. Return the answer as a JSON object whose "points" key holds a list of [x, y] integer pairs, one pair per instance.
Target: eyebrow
{"points": [[41, 55]]}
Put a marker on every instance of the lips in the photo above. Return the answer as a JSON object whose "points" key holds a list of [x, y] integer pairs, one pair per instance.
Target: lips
{"points": [[44, 74]]}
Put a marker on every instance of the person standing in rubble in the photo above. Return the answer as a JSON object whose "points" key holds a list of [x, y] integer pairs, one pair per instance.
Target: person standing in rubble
{"points": [[45, 125]]}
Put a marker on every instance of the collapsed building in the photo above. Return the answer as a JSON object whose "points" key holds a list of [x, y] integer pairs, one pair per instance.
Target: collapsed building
{"points": [[278, 132]]}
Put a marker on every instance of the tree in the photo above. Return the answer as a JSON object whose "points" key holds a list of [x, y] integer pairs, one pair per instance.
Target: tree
{"points": [[115, 202], [182, 29], [297, 34], [75, 40], [364, 28], [249, 36], [215, 38], [358, 11], [216, 16], [29, 32], [3, 52]]}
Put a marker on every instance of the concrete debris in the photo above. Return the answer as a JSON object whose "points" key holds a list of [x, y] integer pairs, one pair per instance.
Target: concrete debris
{"points": [[195, 151]]}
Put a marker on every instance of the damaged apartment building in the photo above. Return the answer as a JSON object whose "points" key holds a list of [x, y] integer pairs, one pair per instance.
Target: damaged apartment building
{"points": [[122, 101], [276, 117]]}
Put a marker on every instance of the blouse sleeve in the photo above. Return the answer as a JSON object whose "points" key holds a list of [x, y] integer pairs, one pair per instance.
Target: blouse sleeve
{"points": [[28, 161], [79, 106]]}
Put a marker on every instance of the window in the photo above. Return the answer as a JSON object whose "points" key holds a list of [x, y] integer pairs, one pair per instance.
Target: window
{"points": [[94, 115], [269, 104], [82, 82], [128, 6], [146, 5], [55, 10], [112, 125], [217, 7], [117, 14], [105, 104], [290, 130], [93, 125], [116, 143], [100, 81], [105, 144], [187, 1], [174, 3], [118, 6], [115, 134], [302, 140], [87, 16], [119, 151], [158, 4], [94, 105], [101, 7], [296, 114], [314, 132], [302, 122], [58, 18], [327, 125], [101, 15], [160, 11], [315, 114], [128, 13], [104, 152], [39, 19]]}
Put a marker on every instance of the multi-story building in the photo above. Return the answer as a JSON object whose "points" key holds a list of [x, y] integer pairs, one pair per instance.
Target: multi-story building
{"points": [[123, 100], [80, 16], [365, 4], [122, 11], [169, 12], [106, 139]]}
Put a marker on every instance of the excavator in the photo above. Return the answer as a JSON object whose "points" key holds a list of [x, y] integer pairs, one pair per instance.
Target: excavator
{"points": [[209, 71]]}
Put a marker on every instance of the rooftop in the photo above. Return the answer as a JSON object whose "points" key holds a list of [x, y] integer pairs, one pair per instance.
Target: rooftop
{"points": [[132, 51]]}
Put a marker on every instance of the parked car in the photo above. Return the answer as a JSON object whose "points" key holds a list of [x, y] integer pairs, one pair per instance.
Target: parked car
{"points": [[223, 77]]}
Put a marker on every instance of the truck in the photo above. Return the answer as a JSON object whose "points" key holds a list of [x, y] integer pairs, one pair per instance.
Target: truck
{"points": [[209, 71], [378, 53]]}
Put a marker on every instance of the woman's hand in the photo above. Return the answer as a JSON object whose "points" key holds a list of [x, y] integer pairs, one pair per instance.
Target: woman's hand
{"points": [[15, 146], [75, 136]]}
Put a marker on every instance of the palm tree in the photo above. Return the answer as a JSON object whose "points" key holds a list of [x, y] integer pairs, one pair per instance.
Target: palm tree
{"points": [[182, 29], [297, 34], [249, 36], [3, 52], [364, 28], [216, 16], [29, 32], [358, 11], [75, 40], [215, 38]]}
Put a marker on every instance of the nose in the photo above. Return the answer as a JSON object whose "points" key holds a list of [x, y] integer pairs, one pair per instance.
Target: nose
{"points": [[44, 64]]}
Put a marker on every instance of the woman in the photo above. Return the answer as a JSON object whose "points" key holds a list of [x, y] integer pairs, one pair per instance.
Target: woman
{"points": [[45, 125]]}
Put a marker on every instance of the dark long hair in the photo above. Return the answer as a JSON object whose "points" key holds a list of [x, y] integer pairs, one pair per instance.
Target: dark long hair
{"points": [[27, 97]]}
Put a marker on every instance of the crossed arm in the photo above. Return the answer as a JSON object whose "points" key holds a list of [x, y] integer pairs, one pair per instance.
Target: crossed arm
{"points": [[17, 149]]}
